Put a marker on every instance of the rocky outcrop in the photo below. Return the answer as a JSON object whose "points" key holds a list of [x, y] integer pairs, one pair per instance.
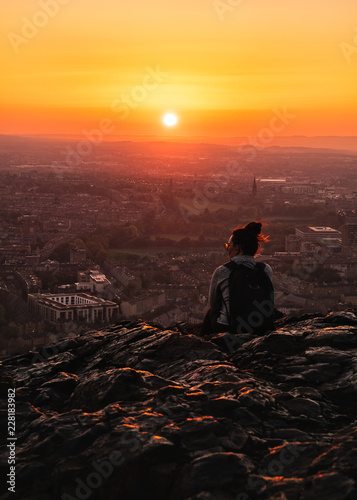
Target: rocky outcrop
{"points": [[137, 412]]}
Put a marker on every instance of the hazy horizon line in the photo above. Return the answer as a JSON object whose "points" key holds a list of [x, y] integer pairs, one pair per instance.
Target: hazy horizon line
{"points": [[179, 136]]}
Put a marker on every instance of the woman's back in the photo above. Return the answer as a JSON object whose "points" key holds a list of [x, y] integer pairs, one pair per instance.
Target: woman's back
{"points": [[241, 293]]}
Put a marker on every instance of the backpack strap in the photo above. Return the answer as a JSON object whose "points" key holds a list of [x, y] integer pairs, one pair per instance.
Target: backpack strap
{"points": [[231, 265], [260, 265]]}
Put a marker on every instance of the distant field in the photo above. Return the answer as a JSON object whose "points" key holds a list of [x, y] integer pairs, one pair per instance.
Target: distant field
{"points": [[178, 237], [211, 206], [288, 218], [147, 252], [154, 251]]}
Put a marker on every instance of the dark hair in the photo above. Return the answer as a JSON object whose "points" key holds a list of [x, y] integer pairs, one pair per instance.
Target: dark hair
{"points": [[248, 237]]}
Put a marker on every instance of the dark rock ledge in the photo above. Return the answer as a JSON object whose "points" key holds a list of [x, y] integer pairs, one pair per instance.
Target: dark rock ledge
{"points": [[136, 412]]}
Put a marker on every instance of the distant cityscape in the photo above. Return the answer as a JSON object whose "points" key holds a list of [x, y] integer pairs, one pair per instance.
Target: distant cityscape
{"points": [[135, 230]]}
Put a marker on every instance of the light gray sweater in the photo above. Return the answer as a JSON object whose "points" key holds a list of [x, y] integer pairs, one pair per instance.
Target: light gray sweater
{"points": [[219, 288]]}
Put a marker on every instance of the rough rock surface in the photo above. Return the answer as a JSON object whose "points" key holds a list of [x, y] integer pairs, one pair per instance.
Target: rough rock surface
{"points": [[137, 412]]}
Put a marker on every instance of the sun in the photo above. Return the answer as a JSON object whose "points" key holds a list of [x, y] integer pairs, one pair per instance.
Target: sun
{"points": [[170, 119]]}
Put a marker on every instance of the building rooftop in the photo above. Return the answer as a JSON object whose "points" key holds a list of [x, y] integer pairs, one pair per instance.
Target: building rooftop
{"points": [[324, 229], [329, 231], [272, 180], [58, 301]]}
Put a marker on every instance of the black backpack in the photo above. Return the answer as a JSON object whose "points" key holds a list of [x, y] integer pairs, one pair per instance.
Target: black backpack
{"points": [[251, 299]]}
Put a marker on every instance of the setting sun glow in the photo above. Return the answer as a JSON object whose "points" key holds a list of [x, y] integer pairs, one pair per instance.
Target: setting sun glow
{"points": [[170, 119], [226, 65]]}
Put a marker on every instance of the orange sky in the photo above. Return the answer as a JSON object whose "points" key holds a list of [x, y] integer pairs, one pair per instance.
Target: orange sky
{"points": [[222, 65]]}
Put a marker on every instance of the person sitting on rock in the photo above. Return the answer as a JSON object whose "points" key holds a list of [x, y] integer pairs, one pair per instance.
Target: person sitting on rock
{"points": [[241, 295]]}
